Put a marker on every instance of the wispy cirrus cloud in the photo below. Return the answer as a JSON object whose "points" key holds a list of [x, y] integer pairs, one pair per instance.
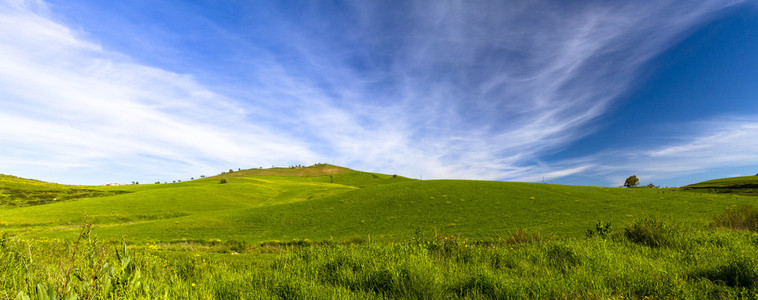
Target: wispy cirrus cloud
{"points": [[85, 110], [724, 143], [444, 90], [474, 90]]}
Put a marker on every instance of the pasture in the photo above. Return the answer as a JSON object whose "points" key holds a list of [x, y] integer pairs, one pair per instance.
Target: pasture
{"points": [[331, 232]]}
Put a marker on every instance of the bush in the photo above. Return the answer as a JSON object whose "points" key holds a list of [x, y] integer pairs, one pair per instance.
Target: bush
{"points": [[223, 180], [649, 232], [740, 218]]}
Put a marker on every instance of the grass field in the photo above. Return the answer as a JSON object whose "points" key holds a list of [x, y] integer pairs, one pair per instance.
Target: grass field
{"points": [[744, 185], [329, 232]]}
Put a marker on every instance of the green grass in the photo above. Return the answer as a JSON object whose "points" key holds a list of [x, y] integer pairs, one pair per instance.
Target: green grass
{"points": [[310, 171], [731, 182], [744, 185], [695, 264], [317, 233], [18, 192], [366, 205]]}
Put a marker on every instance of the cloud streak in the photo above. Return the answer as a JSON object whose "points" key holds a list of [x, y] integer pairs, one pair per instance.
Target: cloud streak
{"points": [[482, 91], [85, 110], [475, 90]]}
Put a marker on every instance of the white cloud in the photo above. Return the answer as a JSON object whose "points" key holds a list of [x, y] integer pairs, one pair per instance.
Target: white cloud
{"points": [[483, 91], [725, 143], [457, 90], [68, 102]]}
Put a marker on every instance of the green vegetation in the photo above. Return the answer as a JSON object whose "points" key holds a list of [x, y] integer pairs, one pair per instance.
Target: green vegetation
{"points": [[311, 171], [744, 185], [631, 181], [17, 192], [690, 264], [351, 234]]}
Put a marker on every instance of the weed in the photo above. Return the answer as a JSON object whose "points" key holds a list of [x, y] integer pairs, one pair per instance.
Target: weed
{"points": [[653, 233], [89, 273], [744, 217], [601, 230]]}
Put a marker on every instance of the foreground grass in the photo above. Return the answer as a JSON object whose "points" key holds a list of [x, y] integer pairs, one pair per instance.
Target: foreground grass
{"points": [[649, 259]]}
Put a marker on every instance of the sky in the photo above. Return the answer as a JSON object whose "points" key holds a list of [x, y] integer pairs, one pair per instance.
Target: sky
{"points": [[565, 92]]}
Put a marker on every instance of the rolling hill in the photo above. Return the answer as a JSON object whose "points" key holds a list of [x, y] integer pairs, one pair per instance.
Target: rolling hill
{"points": [[326, 202], [326, 232], [743, 185]]}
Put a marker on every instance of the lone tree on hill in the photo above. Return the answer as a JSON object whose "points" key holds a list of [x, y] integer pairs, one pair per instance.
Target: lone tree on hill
{"points": [[632, 181]]}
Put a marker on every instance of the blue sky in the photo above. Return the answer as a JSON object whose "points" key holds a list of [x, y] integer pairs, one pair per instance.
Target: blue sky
{"points": [[583, 93]]}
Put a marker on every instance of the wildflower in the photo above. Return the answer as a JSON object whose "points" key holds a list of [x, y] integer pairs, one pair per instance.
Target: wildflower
{"points": [[193, 284]]}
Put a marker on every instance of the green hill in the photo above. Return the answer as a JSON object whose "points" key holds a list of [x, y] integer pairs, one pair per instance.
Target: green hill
{"points": [[298, 171], [17, 192], [435, 239], [340, 204], [744, 185]]}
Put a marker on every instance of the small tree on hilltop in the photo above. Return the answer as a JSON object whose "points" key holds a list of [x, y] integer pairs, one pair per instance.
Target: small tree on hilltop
{"points": [[632, 181]]}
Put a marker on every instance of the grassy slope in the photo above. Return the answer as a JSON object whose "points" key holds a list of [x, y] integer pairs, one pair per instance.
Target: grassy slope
{"points": [[311, 171], [743, 185], [16, 192], [201, 200], [350, 203], [471, 208], [284, 208], [731, 182]]}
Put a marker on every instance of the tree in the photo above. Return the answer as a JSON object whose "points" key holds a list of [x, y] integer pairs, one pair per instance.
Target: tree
{"points": [[632, 181]]}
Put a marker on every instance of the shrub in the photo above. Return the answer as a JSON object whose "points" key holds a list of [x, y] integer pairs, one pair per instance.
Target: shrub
{"points": [[649, 232], [223, 180], [740, 218]]}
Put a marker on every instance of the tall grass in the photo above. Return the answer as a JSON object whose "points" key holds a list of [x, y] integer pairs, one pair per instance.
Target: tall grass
{"points": [[691, 263], [744, 217]]}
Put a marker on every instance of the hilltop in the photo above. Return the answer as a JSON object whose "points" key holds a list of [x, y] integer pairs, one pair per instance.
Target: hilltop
{"points": [[297, 171]]}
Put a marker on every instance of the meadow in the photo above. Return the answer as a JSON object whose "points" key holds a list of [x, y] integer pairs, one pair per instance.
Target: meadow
{"points": [[327, 232]]}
